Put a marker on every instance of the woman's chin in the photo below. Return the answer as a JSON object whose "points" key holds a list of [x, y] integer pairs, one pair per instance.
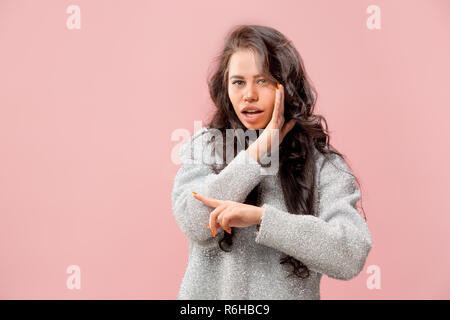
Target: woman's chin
{"points": [[253, 126]]}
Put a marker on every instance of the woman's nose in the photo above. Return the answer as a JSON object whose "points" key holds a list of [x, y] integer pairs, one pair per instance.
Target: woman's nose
{"points": [[251, 94]]}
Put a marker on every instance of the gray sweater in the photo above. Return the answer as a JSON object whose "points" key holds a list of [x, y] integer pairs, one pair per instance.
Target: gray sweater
{"points": [[335, 242]]}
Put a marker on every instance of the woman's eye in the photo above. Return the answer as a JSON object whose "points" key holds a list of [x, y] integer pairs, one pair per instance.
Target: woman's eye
{"points": [[242, 81]]}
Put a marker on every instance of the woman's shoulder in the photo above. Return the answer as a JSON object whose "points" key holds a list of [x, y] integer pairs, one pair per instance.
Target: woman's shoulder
{"points": [[194, 147], [328, 162]]}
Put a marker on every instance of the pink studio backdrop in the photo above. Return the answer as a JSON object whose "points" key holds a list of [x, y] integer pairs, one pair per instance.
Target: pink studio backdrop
{"points": [[86, 117]]}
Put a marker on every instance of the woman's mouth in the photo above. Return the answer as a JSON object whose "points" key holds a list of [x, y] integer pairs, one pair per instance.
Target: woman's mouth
{"points": [[252, 116]]}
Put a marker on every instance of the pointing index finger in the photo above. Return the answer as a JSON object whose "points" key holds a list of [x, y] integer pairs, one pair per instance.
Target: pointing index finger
{"points": [[208, 201]]}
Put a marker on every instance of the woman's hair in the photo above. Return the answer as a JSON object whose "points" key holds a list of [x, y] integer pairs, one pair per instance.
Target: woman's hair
{"points": [[281, 62]]}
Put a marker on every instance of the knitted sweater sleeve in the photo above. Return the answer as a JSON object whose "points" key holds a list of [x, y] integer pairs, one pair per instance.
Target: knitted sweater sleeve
{"points": [[337, 241], [233, 183]]}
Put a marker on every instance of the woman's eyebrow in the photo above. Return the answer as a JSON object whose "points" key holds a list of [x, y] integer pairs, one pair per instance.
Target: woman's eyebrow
{"points": [[241, 77]]}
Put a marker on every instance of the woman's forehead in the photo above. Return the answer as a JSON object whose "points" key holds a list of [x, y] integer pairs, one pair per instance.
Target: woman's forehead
{"points": [[246, 61]]}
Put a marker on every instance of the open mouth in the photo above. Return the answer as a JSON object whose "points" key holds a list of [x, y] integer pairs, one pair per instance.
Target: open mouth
{"points": [[252, 116], [251, 112]]}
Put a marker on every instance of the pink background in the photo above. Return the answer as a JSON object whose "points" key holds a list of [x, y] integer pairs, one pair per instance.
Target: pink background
{"points": [[86, 118]]}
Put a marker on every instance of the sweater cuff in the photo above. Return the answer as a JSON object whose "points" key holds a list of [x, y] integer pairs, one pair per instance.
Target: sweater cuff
{"points": [[272, 221], [236, 180], [267, 164]]}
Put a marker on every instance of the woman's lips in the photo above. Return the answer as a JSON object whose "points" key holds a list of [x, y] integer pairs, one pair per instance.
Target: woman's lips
{"points": [[252, 117]]}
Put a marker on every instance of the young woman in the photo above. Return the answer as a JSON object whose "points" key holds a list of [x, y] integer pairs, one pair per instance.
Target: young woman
{"points": [[266, 236]]}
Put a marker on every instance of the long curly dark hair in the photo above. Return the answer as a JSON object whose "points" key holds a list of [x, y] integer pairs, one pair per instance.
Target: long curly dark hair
{"points": [[281, 62]]}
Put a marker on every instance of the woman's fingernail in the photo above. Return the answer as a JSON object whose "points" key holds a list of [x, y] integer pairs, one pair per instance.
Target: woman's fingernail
{"points": [[278, 85], [228, 230], [213, 233], [194, 192]]}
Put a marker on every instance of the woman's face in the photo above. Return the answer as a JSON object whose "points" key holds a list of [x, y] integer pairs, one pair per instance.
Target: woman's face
{"points": [[246, 87]]}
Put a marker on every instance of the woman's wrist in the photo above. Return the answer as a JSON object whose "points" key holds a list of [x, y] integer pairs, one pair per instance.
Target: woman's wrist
{"points": [[253, 150], [261, 212], [259, 147]]}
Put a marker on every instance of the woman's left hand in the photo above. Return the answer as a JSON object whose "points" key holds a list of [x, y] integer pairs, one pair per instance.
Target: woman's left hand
{"points": [[230, 214]]}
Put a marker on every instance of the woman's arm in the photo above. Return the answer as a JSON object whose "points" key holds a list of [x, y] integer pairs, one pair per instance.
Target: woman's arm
{"points": [[335, 243], [233, 183]]}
